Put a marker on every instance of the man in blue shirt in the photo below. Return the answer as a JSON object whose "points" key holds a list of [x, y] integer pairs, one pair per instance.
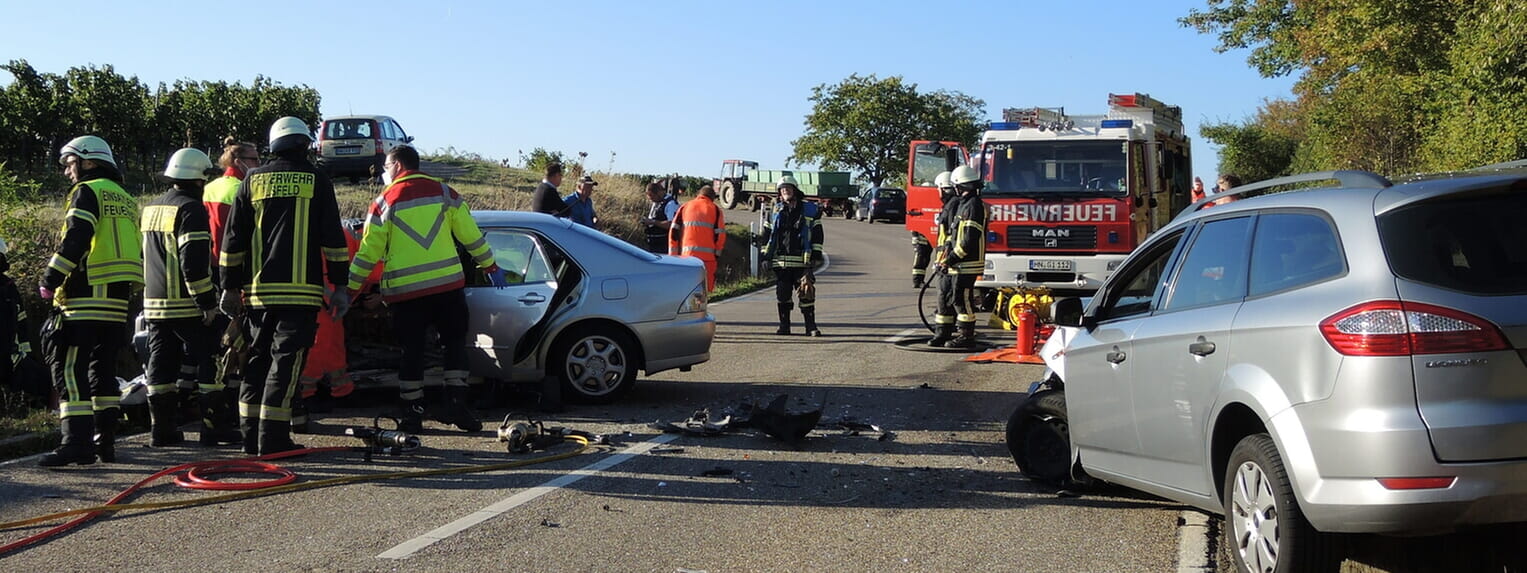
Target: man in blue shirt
{"points": [[580, 204]]}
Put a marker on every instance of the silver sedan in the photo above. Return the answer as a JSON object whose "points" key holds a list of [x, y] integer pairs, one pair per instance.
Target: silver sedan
{"points": [[585, 307]]}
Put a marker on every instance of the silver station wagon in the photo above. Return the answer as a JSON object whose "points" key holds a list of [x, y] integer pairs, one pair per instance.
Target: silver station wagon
{"points": [[1348, 359]]}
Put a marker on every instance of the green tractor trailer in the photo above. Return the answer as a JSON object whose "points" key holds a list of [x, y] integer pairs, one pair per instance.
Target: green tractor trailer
{"points": [[743, 184]]}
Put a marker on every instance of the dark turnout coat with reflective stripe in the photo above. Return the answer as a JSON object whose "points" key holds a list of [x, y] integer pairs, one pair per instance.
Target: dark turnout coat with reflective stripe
{"points": [[965, 238], [177, 257], [415, 225], [99, 258], [282, 234]]}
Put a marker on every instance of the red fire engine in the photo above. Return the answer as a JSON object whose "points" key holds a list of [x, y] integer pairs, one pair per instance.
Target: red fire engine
{"points": [[1069, 196]]}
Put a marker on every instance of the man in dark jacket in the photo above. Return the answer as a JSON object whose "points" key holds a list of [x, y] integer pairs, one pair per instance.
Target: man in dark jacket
{"points": [[547, 199], [963, 230], [659, 214], [288, 207], [179, 303]]}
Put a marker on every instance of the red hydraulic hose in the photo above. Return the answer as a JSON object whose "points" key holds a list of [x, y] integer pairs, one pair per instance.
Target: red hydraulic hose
{"points": [[245, 465]]}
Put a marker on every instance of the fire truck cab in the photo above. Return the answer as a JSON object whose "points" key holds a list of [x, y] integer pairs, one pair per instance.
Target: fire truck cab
{"points": [[1070, 196]]}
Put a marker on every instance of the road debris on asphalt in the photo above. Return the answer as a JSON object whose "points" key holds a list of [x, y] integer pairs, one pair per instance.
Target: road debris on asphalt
{"points": [[774, 420]]}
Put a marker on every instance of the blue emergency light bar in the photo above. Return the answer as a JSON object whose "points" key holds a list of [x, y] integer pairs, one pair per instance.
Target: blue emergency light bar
{"points": [[1004, 126], [1113, 123]]}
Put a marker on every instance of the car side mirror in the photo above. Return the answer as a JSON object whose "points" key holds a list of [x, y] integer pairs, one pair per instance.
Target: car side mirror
{"points": [[408, 139], [1069, 312]]}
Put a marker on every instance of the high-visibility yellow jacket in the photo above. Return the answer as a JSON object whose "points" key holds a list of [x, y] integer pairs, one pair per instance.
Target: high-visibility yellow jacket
{"points": [[218, 197], [283, 233], [414, 226], [99, 259], [177, 257], [698, 230]]}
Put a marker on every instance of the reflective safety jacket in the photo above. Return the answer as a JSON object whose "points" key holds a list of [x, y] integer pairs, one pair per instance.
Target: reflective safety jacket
{"points": [[99, 259], [414, 226], [965, 238], [218, 198], [177, 257], [698, 230], [282, 232], [794, 236]]}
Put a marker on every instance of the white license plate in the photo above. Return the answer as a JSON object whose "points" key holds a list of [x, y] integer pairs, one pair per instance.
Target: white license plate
{"points": [[347, 151], [893, 211], [1049, 265]]}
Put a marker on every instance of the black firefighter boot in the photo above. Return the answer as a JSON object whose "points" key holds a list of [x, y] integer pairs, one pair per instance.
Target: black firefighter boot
{"points": [[810, 313], [300, 416], [250, 428], [917, 281], [76, 447], [457, 411], [942, 335], [784, 318], [106, 434], [163, 410], [966, 338], [217, 419], [276, 437]]}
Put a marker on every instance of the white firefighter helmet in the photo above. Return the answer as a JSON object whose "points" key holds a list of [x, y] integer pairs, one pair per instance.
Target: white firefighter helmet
{"points": [[786, 180], [942, 180], [285, 128], [964, 174], [188, 164], [87, 147]]}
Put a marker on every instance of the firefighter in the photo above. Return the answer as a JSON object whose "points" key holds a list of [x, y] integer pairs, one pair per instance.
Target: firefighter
{"points": [[659, 217], [922, 250], [414, 225], [179, 303], [698, 230], [89, 280], [963, 256], [792, 240], [237, 159], [282, 234]]}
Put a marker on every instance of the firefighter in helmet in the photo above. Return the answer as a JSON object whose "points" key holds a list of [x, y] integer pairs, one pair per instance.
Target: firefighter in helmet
{"points": [[922, 250], [792, 241], [963, 256]]}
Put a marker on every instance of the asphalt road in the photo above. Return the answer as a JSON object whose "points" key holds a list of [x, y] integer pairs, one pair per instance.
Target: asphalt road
{"points": [[942, 495]]}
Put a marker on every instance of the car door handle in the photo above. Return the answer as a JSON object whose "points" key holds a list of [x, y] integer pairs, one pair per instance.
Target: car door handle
{"points": [[532, 298], [1116, 356], [1201, 348]]}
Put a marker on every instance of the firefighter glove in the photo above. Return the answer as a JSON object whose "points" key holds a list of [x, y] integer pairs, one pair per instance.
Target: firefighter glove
{"points": [[496, 277], [208, 316], [339, 301], [231, 303]]}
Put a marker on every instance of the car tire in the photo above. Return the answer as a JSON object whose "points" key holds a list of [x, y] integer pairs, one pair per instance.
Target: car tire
{"points": [[1259, 503], [1039, 438], [595, 365]]}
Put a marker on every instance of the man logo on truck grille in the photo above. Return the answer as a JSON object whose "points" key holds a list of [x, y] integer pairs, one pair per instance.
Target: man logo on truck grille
{"points": [[1052, 242]]}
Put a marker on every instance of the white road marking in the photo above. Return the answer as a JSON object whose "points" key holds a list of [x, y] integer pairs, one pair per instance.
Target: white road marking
{"points": [[408, 548], [1193, 544], [903, 335]]}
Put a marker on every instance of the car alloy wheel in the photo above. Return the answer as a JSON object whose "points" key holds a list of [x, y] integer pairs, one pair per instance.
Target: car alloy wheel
{"points": [[1265, 529], [1254, 518], [597, 366]]}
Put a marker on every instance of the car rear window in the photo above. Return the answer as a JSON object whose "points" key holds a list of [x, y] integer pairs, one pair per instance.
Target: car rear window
{"points": [[349, 129], [891, 194], [1292, 250], [1475, 243]]}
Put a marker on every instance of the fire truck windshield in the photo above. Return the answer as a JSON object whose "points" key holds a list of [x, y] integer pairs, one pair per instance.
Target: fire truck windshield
{"points": [[1055, 167]]}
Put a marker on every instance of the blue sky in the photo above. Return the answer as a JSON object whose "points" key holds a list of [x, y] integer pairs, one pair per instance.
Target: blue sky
{"points": [[669, 86]]}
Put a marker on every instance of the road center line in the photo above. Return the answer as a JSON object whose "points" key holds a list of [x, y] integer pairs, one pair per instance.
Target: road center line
{"points": [[408, 548]]}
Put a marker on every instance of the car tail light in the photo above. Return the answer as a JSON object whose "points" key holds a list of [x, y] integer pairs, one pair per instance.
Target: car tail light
{"points": [[1394, 328], [1417, 483]]}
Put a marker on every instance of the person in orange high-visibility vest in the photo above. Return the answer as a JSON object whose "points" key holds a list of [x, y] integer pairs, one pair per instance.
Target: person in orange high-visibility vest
{"points": [[698, 230]]}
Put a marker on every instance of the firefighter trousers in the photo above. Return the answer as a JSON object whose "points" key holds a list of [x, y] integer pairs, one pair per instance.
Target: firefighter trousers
{"points": [[789, 281], [173, 344], [447, 312], [956, 299], [280, 341], [84, 366], [922, 253]]}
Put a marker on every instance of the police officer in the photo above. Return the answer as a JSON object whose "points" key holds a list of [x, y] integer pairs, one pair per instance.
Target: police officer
{"points": [[922, 250], [793, 242], [179, 303], [89, 280], [288, 207], [963, 242], [659, 215], [424, 284]]}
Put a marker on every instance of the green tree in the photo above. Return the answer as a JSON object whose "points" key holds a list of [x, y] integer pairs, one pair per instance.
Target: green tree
{"points": [[866, 123]]}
